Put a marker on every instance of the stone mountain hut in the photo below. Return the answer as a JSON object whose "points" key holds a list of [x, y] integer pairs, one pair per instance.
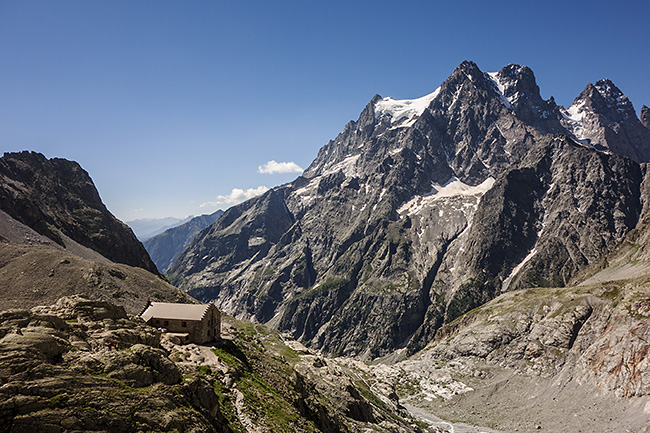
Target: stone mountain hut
{"points": [[188, 323]]}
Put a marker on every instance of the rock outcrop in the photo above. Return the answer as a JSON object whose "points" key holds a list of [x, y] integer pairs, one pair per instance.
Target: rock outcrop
{"points": [[645, 116], [85, 365], [81, 365]]}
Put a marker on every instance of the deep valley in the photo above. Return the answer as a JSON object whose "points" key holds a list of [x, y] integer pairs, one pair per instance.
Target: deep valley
{"points": [[473, 260]]}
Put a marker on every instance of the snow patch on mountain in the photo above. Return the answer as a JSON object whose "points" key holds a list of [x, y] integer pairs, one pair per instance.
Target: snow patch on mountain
{"points": [[347, 166], [452, 188], [308, 193], [575, 116], [404, 112], [309, 189], [501, 88], [516, 269]]}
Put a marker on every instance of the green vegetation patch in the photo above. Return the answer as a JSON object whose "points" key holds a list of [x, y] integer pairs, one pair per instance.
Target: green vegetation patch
{"points": [[406, 388], [264, 378], [228, 358], [612, 292], [269, 405], [227, 408], [330, 284], [205, 370], [365, 391]]}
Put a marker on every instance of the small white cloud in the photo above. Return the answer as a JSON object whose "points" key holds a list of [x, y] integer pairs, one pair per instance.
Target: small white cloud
{"points": [[273, 167], [237, 195]]}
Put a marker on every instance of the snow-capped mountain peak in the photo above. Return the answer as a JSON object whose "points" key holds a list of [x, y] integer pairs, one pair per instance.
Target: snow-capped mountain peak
{"points": [[516, 84], [614, 97], [604, 118], [516, 87], [610, 92], [421, 208]]}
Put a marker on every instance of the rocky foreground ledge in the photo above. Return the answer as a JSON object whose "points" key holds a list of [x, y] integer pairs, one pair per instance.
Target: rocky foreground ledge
{"points": [[82, 365], [551, 363]]}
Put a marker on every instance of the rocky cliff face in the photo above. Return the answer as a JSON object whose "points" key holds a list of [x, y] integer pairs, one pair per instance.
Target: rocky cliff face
{"points": [[58, 199], [424, 209], [166, 247], [598, 332], [562, 208], [645, 116]]}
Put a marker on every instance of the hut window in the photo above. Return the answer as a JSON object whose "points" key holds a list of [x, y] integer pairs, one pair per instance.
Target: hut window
{"points": [[184, 324], [166, 323]]}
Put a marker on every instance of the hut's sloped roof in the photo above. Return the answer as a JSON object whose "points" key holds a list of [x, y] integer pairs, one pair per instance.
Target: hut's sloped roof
{"points": [[166, 310]]}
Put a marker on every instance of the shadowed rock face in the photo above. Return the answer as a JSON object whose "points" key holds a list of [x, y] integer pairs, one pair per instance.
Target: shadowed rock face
{"points": [[57, 198], [422, 210]]}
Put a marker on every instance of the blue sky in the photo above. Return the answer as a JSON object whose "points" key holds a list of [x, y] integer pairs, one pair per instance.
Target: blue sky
{"points": [[170, 105]]}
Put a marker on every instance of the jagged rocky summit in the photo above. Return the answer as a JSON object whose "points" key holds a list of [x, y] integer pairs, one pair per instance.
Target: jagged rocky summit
{"points": [[424, 209]]}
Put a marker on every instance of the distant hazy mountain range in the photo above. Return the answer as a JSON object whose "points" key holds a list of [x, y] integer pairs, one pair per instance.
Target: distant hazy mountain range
{"points": [[165, 247], [147, 228]]}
